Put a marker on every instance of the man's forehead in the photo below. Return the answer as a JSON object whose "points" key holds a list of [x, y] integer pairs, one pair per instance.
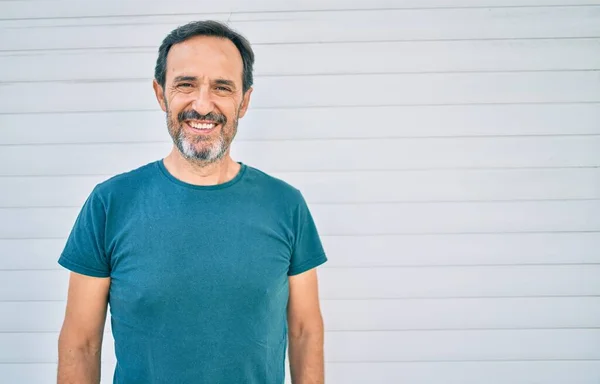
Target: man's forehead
{"points": [[205, 56]]}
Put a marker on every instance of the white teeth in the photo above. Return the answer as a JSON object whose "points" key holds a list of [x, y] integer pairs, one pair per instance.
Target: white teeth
{"points": [[202, 126]]}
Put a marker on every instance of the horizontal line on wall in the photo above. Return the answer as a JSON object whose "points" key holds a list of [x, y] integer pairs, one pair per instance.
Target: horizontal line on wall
{"points": [[174, 23], [420, 330], [384, 299], [387, 298], [63, 238], [421, 266], [409, 266], [428, 298], [354, 203], [357, 171], [454, 298], [123, 24], [486, 169], [155, 47], [302, 139], [459, 233], [456, 329], [391, 266], [332, 74], [374, 9], [296, 107], [517, 361], [322, 74], [404, 202], [33, 301], [383, 234]]}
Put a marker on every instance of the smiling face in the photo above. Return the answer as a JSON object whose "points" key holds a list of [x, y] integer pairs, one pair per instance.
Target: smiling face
{"points": [[203, 97]]}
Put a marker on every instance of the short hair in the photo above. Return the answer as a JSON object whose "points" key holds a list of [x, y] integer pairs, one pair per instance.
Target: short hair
{"points": [[205, 28]]}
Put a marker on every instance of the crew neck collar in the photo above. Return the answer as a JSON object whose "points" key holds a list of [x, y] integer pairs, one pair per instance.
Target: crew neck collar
{"points": [[161, 166]]}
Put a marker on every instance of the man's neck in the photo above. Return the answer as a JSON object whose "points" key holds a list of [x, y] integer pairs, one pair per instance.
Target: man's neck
{"points": [[196, 173]]}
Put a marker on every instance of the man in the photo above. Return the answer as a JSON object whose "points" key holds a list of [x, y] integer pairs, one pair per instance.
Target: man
{"points": [[208, 264]]}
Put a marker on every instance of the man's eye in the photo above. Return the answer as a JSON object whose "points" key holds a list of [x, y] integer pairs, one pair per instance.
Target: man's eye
{"points": [[223, 89], [185, 85]]}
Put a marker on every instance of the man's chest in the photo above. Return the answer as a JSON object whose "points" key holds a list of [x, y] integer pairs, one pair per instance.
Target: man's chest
{"points": [[216, 268]]}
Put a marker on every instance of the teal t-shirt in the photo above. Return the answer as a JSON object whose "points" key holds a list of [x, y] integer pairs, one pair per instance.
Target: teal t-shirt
{"points": [[199, 274]]}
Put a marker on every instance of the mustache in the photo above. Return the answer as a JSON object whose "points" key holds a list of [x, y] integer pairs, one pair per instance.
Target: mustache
{"points": [[193, 115]]}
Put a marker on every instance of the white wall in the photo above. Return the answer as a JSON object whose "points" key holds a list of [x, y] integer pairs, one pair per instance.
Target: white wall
{"points": [[450, 151]]}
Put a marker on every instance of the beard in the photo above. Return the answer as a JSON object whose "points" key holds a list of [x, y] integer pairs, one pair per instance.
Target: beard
{"points": [[204, 149]]}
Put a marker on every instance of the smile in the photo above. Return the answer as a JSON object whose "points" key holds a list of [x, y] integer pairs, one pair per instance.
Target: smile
{"points": [[200, 126]]}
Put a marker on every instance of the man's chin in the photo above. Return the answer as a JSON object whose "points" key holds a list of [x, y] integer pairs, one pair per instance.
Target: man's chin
{"points": [[199, 157], [191, 152]]}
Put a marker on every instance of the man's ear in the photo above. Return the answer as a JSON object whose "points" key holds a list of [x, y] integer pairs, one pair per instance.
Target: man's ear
{"points": [[245, 103], [160, 95]]}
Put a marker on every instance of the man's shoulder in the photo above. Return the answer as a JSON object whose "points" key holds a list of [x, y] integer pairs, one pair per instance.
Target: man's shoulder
{"points": [[274, 185], [125, 181]]}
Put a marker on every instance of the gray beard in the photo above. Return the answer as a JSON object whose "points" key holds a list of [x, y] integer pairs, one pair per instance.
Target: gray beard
{"points": [[207, 155], [213, 153]]}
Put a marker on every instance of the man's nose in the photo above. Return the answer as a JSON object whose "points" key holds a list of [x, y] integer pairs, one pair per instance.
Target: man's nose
{"points": [[203, 103]]}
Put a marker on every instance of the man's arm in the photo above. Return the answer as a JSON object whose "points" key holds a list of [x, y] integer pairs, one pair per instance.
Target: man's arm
{"points": [[80, 340], [305, 328]]}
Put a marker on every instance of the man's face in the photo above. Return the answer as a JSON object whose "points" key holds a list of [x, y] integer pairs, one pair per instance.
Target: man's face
{"points": [[203, 96]]}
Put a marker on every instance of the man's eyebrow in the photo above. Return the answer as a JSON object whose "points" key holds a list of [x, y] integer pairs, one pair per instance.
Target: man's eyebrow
{"points": [[185, 78], [224, 82]]}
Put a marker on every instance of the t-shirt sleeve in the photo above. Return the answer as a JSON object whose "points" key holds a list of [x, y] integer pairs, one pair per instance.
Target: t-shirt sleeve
{"points": [[84, 251], [308, 250]]}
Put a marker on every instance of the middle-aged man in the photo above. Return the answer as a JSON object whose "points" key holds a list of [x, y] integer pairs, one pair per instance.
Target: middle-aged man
{"points": [[208, 264]]}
